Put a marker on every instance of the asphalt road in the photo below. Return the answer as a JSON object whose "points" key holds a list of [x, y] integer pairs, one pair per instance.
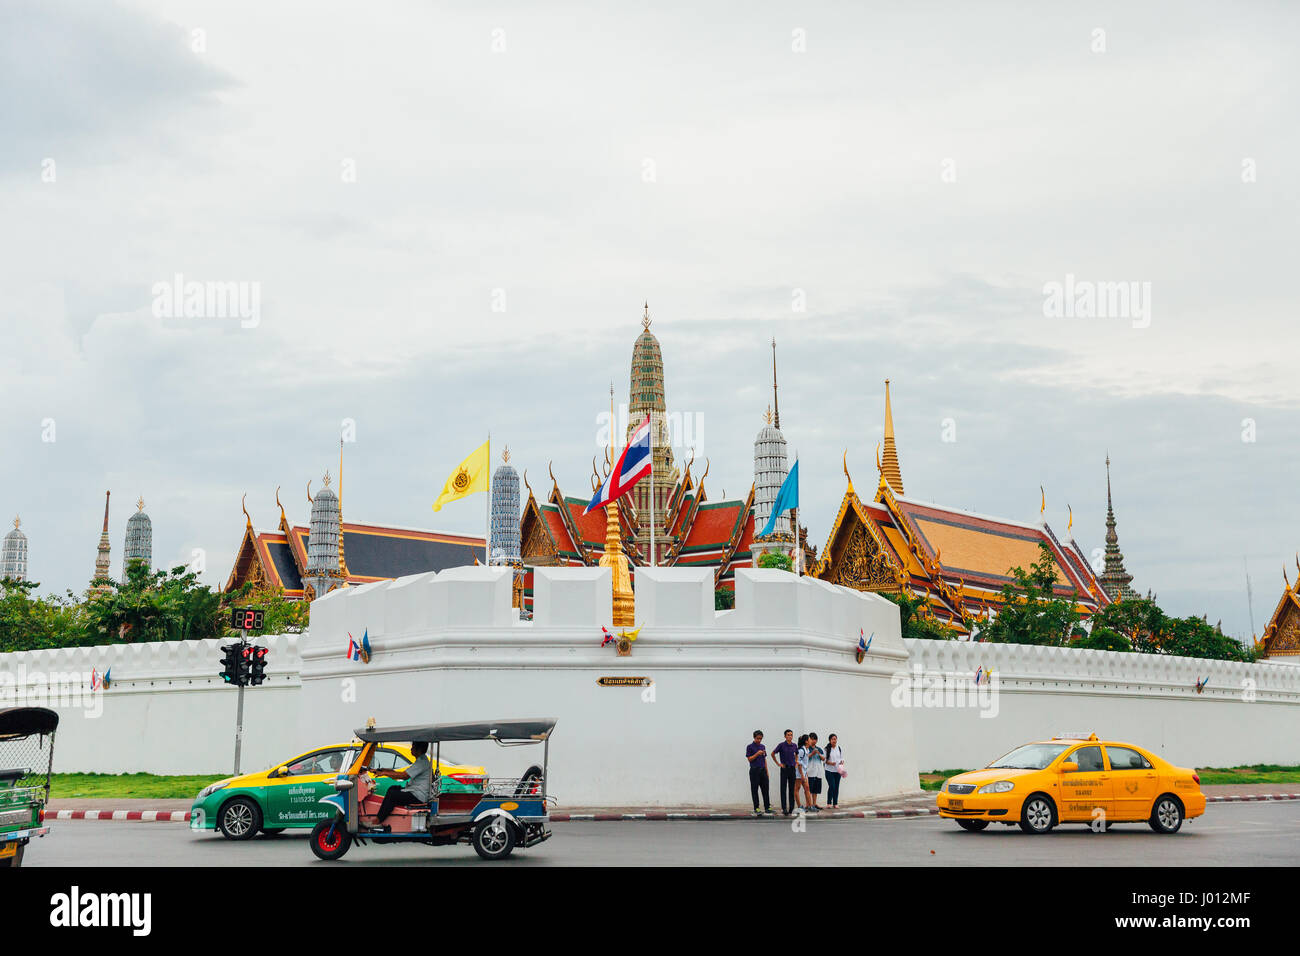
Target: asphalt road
{"points": [[1254, 834]]}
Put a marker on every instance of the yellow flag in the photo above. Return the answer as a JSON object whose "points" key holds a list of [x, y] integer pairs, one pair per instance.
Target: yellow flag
{"points": [[470, 476]]}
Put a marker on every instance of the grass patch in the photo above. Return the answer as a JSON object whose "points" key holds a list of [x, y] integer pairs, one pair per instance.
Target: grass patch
{"points": [[70, 786], [935, 778], [1255, 773]]}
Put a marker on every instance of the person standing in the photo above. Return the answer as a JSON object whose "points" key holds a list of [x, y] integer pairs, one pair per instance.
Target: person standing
{"points": [[814, 768], [801, 786], [834, 770], [786, 756], [756, 756]]}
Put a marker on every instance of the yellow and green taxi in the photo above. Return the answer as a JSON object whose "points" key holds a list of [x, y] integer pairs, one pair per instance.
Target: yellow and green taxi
{"points": [[1074, 779], [288, 795]]}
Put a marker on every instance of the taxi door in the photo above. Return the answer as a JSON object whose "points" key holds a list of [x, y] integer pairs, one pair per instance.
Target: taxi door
{"points": [[1134, 782], [293, 798], [1087, 788]]}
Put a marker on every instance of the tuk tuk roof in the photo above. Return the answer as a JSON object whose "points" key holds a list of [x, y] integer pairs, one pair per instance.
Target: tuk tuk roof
{"points": [[538, 730], [25, 721]]}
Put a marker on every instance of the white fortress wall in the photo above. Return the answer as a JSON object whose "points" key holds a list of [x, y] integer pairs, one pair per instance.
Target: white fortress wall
{"points": [[783, 657], [1245, 714], [167, 710]]}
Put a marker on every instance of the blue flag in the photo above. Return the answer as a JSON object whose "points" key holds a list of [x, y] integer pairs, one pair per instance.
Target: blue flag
{"points": [[786, 498]]}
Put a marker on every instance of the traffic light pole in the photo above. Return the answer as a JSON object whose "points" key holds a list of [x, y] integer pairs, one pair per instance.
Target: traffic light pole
{"points": [[239, 708]]}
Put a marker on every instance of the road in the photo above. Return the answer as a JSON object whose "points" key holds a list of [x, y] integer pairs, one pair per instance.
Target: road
{"points": [[1255, 834]]}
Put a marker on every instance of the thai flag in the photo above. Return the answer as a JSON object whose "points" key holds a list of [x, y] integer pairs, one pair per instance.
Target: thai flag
{"points": [[864, 645], [607, 637], [359, 652], [632, 465], [354, 649]]}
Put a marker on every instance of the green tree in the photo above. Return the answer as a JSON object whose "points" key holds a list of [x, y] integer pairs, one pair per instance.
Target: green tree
{"points": [[915, 620], [154, 606], [31, 623], [1032, 612], [776, 559], [724, 599]]}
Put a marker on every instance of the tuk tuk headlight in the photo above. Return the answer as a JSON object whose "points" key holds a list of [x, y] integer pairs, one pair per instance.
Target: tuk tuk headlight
{"points": [[211, 789], [1002, 786]]}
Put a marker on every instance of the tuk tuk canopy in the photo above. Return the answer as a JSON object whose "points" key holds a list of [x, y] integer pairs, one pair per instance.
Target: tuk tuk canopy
{"points": [[500, 730], [16, 722]]}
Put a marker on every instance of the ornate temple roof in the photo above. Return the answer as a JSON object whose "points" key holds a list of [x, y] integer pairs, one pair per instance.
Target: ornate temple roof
{"points": [[1282, 633], [278, 558]]}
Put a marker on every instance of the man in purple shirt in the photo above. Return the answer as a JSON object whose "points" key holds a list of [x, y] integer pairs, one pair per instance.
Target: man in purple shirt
{"points": [[786, 756], [756, 755]]}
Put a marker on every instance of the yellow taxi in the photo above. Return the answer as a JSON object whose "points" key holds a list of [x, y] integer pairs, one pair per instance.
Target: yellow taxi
{"points": [[1074, 779]]}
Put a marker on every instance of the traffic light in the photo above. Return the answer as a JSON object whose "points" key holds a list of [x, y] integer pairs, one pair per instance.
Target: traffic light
{"points": [[256, 665], [234, 667]]}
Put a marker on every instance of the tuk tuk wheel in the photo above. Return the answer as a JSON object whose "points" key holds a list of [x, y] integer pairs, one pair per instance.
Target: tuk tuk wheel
{"points": [[330, 839], [17, 858], [240, 819], [494, 838]]}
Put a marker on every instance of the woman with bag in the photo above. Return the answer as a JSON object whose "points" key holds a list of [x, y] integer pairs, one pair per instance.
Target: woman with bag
{"points": [[834, 770]]}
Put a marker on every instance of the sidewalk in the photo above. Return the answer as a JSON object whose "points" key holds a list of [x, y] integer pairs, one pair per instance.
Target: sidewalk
{"points": [[918, 803]]}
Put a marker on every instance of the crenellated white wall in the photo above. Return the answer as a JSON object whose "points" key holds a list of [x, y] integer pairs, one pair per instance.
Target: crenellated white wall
{"points": [[167, 710], [783, 658], [448, 647], [1247, 713]]}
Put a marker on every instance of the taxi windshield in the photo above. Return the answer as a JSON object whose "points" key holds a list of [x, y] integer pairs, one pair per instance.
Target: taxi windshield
{"points": [[1029, 757]]}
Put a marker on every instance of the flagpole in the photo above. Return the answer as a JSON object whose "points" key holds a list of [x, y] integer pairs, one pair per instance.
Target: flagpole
{"points": [[798, 559], [487, 538]]}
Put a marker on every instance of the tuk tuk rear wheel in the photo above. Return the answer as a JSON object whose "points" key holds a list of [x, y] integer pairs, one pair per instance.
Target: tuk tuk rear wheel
{"points": [[330, 845], [494, 838]]}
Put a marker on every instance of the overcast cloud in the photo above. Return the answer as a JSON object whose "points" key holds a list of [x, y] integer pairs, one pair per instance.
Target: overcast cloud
{"points": [[914, 177]]}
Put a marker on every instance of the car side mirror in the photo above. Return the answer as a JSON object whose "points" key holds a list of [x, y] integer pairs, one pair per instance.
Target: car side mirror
{"points": [[280, 772], [1069, 768]]}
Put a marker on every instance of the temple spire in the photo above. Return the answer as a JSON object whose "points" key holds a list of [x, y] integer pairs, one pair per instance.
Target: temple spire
{"points": [[100, 583], [1114, 580], [776, 405], [890, 474]]}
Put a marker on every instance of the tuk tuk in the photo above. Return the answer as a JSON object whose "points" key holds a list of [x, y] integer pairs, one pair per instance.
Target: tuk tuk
{"points": [[26, 757], [508, 812]]}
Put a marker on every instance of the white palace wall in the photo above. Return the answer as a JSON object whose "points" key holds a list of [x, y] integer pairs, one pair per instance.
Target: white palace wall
{"points": [[449, 647]]}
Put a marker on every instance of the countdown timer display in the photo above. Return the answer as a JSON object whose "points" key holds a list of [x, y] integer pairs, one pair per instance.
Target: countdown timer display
{"points": [[247, 618]]}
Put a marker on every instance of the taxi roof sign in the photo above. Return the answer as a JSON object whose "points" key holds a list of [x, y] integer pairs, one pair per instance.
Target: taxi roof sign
{"points": [[1089, 736]]}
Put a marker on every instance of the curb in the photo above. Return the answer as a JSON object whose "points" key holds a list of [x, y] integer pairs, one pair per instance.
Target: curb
{"points": [[183, 816]]}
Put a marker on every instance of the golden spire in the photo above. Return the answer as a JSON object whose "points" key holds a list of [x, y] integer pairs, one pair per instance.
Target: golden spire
{"points": [[775, 404], [139, 503], [624, 607], [767, 415], [645, 319], [889, 470], [18, 521], [505, 456], [326, 479]]}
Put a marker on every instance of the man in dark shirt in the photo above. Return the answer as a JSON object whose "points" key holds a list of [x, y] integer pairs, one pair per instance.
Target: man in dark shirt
{"points": [[786, 756], [756, 755]]}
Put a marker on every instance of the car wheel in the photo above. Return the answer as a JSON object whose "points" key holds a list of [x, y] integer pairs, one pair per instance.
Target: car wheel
{"points": [[974, 826], [1166, 815], [330, 839], [272, 831], [1038, 815], [240, 819], [494, 838]]}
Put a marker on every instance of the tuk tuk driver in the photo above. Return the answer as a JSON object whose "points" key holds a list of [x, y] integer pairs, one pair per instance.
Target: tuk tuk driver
{"points": [[418, 777]]}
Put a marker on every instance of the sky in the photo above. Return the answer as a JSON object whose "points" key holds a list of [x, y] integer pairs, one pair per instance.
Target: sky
{"points": [[445, 221]]}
